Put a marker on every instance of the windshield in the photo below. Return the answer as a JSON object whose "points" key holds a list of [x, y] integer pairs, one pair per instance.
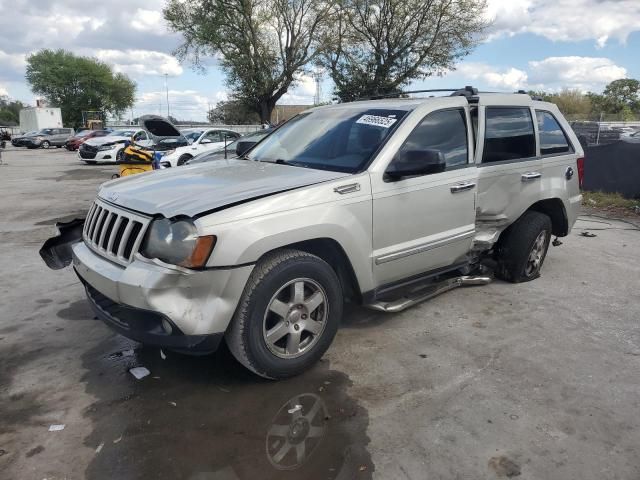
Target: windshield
{"points": [[338, 139], [193, 136], [84, 133], [123, 133]]}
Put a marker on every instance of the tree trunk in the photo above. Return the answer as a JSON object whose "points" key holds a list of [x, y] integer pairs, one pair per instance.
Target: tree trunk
{"points": [[265, 109]]}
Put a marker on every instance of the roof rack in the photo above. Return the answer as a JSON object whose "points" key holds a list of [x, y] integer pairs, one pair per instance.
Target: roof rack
{"points": [[467, 91]]}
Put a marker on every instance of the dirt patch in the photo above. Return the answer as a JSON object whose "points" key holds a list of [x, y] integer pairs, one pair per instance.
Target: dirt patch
{"points": [[504, 467], [34, 451], [223, 422]]}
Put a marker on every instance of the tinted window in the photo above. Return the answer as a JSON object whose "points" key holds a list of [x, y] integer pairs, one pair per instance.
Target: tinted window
{"points": [[445, 131], [552, 138], [509, 135]]}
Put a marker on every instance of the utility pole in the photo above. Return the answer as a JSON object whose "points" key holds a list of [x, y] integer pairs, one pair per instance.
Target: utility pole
{"points": [[318, 78], [166, 87]]}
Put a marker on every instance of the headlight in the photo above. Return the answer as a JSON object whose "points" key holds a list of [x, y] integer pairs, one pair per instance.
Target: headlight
{"points": [[106, 147], [177, 242], [166, 152]]}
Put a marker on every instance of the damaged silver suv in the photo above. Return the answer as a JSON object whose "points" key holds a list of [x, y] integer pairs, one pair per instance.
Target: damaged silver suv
{"points": [[382, 202]]}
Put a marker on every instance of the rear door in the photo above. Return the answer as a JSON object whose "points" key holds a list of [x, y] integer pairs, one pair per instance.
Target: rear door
{"points": [[424, 223], [509, 169]]}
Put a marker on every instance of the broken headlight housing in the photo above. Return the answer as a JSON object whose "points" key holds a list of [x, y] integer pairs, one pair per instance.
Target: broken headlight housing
{"points": [[177, 242]]}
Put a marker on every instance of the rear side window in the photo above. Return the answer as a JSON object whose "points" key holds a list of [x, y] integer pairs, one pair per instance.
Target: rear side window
{"points": [[444, 130], [509, 135], [553, 141]]}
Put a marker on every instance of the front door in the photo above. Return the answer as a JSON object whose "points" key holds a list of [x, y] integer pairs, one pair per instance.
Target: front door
{"points": [[426, 222]]}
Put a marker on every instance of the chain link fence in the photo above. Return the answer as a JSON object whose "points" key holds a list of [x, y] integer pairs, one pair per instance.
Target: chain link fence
{"points": [[603, 128]]}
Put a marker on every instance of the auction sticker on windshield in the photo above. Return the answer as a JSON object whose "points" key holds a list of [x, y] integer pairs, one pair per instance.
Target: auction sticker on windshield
{"points": [[384, 122]]}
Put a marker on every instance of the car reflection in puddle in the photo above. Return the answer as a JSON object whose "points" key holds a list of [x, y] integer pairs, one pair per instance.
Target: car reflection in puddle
{"points": [[207, 418]]}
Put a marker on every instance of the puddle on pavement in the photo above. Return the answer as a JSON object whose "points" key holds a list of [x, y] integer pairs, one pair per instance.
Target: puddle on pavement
{"points": [[88, 173], [207, 418]]}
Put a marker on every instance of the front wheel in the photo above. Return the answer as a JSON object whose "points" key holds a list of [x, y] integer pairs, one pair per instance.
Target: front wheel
{"points": [[120, 156], [288, 314], [45, 144], [184, 158], [523, 247]]}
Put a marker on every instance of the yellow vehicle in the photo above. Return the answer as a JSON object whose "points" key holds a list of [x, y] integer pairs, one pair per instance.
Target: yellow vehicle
{"points": [[164, 138]]}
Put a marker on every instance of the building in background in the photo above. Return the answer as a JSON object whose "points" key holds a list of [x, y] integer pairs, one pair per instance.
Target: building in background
{"points": [[282, 113], [37, 118]]}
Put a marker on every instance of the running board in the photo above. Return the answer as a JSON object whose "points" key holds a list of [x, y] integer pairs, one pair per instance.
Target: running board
{"points": [[437, 289]]}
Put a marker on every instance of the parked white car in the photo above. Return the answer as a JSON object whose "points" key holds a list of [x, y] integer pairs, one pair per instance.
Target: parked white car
{"points": [[203, 141], [111, 147]]}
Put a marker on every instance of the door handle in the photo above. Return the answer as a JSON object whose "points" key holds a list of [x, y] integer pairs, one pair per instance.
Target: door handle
{"points": [[462, 187], [527, 177]]}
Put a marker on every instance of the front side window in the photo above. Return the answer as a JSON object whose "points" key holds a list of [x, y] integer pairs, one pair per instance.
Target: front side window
{"points": [[444, 131], [509, 134], [338, 139], [213, 136], [553, 141]]}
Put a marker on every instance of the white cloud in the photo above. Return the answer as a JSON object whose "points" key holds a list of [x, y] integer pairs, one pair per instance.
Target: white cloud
{"points": [[140, 62], [551, 74], [14, 62], [302, 93], [147, 20], [584, 73], [509, 78], [566, 20], [3, 91], [183, 104]]}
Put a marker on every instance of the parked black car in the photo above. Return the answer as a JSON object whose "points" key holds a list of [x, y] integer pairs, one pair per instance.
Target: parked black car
{"points": [[20, 140]]}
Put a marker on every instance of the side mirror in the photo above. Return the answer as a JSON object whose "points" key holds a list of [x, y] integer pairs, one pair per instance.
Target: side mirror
{"points": [[410, 163], [242, 147], [204, 141]]}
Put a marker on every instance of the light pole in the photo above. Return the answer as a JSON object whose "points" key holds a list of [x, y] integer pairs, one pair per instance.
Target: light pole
{"points": [[166, 87]]}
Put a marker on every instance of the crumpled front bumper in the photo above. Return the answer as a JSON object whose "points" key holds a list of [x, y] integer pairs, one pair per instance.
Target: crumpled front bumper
{"points": [[193, 303]]}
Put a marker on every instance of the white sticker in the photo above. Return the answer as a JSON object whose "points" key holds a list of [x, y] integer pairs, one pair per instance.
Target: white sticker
{"points": [[384, 122]]}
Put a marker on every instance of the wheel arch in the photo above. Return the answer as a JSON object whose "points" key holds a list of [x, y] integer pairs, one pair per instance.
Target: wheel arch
{"points": [[554, 208], [331, 252]]}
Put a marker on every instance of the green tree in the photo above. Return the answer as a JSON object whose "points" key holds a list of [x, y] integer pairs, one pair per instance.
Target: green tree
{"points": [[10, 110], [76, 84], [263, 45], [569, 101], [233, 112], [378, 46], [623, 94]]}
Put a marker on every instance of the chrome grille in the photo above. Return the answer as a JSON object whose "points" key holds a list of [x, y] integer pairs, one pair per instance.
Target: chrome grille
{"points": [[114, 233]]}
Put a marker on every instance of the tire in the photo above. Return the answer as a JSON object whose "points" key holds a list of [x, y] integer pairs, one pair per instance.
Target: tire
{"points": [[272, 284], [120, 155], [522, 248], [184, 158], [45, 144]]}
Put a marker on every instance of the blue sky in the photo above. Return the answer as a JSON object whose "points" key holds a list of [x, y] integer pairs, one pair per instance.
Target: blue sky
{"points": [[537, 44]]}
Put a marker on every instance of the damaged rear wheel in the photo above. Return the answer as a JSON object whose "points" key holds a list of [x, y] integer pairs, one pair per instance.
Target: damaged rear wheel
{"points": [[523, 247]]}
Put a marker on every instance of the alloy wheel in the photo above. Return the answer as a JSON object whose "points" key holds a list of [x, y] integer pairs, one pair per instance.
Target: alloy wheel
{"points": [[295, 318]]}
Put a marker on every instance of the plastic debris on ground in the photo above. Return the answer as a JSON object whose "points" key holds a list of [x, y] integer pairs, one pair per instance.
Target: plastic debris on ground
{"points": [[295, 409], [99, 447], [139, 372], [56, 428], [162, 355]]}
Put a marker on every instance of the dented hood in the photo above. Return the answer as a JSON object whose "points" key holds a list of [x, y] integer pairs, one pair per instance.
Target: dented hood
{"points": [[192, 190]]}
